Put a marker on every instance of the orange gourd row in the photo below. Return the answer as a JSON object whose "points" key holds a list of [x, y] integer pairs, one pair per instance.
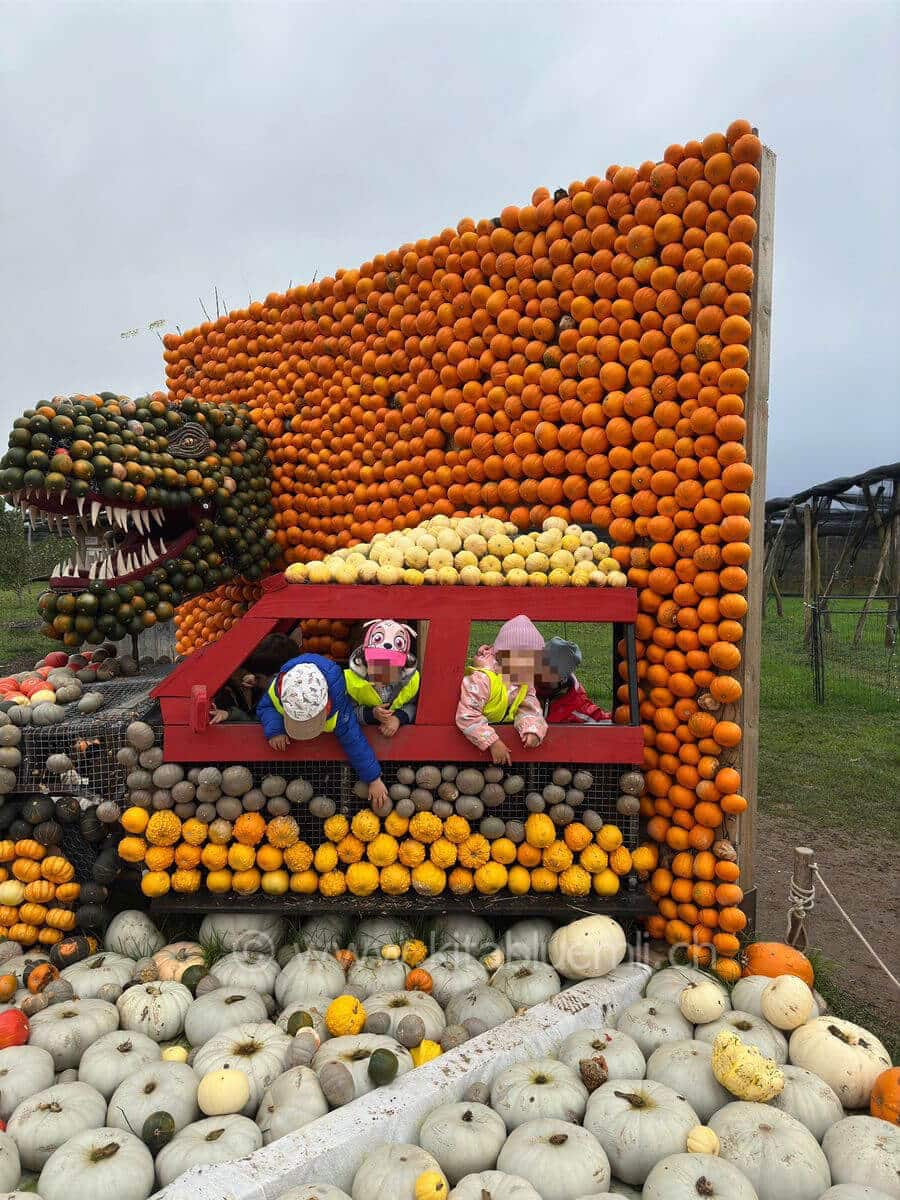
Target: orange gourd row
{"points": [[585, 355]]}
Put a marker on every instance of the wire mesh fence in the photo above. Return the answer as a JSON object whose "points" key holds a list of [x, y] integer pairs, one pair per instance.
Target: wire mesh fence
{"points": [[840, 649]]}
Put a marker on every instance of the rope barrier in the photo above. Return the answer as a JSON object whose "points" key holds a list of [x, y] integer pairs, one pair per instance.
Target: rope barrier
{"points": [[801, 901]]}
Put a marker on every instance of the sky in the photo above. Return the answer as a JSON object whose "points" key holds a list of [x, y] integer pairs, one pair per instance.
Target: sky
{"points": [[153, 152]]}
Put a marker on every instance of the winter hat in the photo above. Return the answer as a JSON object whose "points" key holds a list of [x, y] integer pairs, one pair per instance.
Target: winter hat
{"points": [[519, 633], [562, 657], [304, 697]]}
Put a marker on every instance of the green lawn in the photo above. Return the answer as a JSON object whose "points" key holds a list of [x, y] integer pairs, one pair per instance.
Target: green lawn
{"points": [[21, 645]]}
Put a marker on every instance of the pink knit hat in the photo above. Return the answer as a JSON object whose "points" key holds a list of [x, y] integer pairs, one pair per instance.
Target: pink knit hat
{"points": [[519, 633]]}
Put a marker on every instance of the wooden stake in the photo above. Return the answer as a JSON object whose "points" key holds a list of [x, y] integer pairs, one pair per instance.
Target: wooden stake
{"points": [[802, 876]]}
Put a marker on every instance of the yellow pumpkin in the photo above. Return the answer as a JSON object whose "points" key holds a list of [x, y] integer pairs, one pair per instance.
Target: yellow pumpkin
{"points": [[194, 832], [9, 914], [431, 1185], [702, 1140], [163, 829], [298, 857], [218, 882], [744, 1071], [61, 918], [159, 858], [33, 914], [132, 849], [275, 883], [345, 1016], [425, 1052], [155, 883], [186, 881], [67, 893], [26, 935], [413, 952], [187, 857], [134, 819], [283, 832]]}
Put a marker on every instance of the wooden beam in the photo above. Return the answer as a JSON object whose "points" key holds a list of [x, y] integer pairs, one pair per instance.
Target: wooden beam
{"points": [[809, 534], [757, 416], [890, 628]]}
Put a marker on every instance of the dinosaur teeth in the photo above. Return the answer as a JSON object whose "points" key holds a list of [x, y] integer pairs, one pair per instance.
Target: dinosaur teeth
{"points": [[157, 515], [95, 511]]}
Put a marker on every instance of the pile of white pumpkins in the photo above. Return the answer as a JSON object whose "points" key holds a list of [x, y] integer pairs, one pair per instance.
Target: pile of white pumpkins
{"points": [[144, 1059], [130, 1077]]}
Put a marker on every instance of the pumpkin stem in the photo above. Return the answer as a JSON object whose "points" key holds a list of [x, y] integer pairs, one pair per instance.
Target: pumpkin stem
{"points": [[53, 1107], [540, 1079], [247, 1049], [234, 999], [468, 1115], [103, 1152], [703, 1187], [125, 1047], [558, 1139], [633, 1099], [846, 1038], [214, 1135]]}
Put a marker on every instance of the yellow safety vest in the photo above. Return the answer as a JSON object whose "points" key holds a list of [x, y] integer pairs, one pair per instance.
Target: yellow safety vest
{"points": [[364, 693], [330, 722], [498, 710]]}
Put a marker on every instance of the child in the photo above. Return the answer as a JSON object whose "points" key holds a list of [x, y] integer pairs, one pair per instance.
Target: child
{"points": [[499, 690], [307, 697], [565, 702], [240, 694], [382, 678]]}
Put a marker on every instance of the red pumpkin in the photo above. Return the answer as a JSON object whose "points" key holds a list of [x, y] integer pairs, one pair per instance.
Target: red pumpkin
{"points": [[885, 1099], [776, 958], [57, 658], [13, 1028]]}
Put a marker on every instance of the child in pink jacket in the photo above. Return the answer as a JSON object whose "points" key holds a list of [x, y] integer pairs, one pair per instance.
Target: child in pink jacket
{"points": [[499, 690]]}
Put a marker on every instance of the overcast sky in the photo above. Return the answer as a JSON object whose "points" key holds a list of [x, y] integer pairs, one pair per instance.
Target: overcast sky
{"points": [[152, 151]]}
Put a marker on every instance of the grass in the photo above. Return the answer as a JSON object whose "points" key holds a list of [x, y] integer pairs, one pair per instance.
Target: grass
{"points": [[885, 1028], [21, 643]]}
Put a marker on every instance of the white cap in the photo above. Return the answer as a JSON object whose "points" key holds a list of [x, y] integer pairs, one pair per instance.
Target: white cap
{"points": [[304, 697]]}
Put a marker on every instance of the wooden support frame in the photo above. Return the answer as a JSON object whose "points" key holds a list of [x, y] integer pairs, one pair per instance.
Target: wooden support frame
{"points": [[757, 416]]}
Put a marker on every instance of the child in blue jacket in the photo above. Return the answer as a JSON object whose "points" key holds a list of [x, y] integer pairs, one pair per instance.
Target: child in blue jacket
{"points": [[307, 697]]}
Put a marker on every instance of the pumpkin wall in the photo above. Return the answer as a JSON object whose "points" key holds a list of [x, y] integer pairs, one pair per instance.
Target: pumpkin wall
{"points": [[585, 355]]}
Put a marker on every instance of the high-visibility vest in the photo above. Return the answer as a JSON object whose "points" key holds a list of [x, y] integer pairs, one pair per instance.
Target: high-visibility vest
{"points": [[499, 710], [330, 722], [360, 690]]}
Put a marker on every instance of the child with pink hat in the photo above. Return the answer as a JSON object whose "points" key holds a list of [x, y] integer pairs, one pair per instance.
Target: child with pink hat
{"points": [[499, 690]]}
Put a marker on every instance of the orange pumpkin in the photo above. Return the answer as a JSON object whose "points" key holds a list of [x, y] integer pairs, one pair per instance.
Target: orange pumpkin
{"points": [[885, 1099], [37, 977], [8, 986], [776, 958], [419, 980]]}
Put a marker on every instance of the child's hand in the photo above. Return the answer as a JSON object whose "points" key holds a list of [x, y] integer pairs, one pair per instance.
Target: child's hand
{"points": [[500, 755], [531, 741], [217, 716], [280, 742], [389, 726], [379, 801]]}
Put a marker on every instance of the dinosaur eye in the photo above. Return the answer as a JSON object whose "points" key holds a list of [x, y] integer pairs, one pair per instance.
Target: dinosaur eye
{"points": [[189, 441]]}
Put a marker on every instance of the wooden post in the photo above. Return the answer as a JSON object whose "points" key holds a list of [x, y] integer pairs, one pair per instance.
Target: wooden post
{"points": [[886, 540], [809, 533], [890, 629], [802, 875], [772, 557], [757, 416]]}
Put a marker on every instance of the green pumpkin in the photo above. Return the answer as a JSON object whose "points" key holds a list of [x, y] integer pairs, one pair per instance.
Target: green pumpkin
{"points": [[157, 1131], [382, 1067], [297, 1021], [192, 976]]}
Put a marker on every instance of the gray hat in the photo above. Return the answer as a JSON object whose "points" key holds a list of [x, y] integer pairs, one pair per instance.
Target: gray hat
{"points": [[561, 656]]}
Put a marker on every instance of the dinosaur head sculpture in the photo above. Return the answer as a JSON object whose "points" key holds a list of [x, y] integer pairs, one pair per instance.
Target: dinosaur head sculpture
{"points": [[163, 503]]}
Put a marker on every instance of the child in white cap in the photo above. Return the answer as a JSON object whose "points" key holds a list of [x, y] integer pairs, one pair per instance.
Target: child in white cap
{"points": [[307, 697], [499, 690]]}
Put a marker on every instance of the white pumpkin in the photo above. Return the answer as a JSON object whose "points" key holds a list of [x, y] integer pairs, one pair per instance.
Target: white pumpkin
{"points": [[66, 1030], [753, 1031], [558, 1159], [397, 1005], [309, 976], [777, 1154], [325, 931], [248, 969], [538, 1088], [214, 1140], [462, 931], [91, 974], [622, 1054], [372, 973], [10, 1164], [492, 1185], [374, 932], [464, 1138], [686, 1067], [214, 1011], [155, 1009], [169, 1087], [701, 1003], [290, 1102], [638, 1122], [652, 1022], [842, 1191], [390, 1171], [480, 1003], [846, 1056], [526, 982], [588, 948], [242, 931], [49, 1118], [131, 933], [258, 1048], [311, 1191], [315, 1007], [808, 1099], [670, 982], [221, 1093], [354, 1053], [689, 1176], [787, 1003], [529, 939], [115, 1056], [864, 1150], [452, 971], [99, 1162], [24, 1070]]}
